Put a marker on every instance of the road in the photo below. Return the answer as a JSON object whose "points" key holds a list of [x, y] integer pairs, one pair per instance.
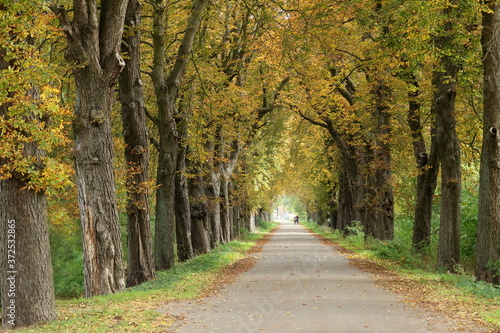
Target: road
{"points": [[300, 285]]}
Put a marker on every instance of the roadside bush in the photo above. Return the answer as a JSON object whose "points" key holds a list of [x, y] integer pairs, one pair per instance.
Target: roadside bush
{"points": [[469, 228], [67, 261], [263, 224], [397, 251]]}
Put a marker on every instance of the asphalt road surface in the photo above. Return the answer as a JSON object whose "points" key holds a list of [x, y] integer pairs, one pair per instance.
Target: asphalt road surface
{"points": [[301, 285]]}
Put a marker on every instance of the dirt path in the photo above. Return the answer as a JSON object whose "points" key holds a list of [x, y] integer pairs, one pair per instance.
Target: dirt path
{"points": [[299, 284]]}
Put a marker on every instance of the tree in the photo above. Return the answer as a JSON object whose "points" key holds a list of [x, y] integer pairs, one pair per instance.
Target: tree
{"points": [[408, 39], [166, 88], [31, 123], [427, 168], [27, 282], [94, 36], [183, 219], [488, 225], [135, 132], [445, 83]]}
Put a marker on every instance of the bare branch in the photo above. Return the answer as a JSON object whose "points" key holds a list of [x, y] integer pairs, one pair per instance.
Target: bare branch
{"points": [[62, 15], [353, 55]]}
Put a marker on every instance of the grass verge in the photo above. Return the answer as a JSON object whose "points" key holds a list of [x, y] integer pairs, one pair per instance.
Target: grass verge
{"points": [[135, 309], [458, 296]]}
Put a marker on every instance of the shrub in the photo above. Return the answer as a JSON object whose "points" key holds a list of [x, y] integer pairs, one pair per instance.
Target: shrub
{"points": [[67, 261], [469, 227]]}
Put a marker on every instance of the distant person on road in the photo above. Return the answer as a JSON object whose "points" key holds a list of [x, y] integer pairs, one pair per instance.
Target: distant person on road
{"points": [[296, 220]]}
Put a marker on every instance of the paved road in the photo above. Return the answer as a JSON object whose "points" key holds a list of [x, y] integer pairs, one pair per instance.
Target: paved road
{"points": [[301, 285]]}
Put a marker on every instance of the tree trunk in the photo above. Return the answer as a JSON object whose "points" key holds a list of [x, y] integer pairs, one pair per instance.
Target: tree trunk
{"points": [[351, 191], [227, 173], [428, 167], [135, 133], [164, 250], [25, 262], [449, 229], [95, 179], [226, 210], [200, 227], [26, 276], [215, 216], [182, 204], [444, 82], [378, 202], [238, 222], [164, 241], [488, 225], [242, 214], [166, 92], [346, 206], [213, 193], [321, 217], [27, 286], [94, 39]]}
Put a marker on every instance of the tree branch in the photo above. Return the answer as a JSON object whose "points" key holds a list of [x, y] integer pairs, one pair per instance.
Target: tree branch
{"points": [[309, 119], [111, 23], [151, 117], [62, 15], [186, 45], [261, 112], [353, 55]]}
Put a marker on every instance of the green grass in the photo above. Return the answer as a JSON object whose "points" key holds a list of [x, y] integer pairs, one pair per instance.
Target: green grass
{"points": [[136, 309], [477, 296]]}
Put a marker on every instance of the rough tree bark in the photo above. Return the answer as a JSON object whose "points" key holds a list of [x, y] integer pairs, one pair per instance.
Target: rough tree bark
{"points": [[25, 262], [166, 92], [94, 37], [182, 205], [488, 225], [379, 209], [345, 210], [444, 82], [167, 147], [135, 134], [227, 174], [427, 167], [213, 191], [200, 226]]}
